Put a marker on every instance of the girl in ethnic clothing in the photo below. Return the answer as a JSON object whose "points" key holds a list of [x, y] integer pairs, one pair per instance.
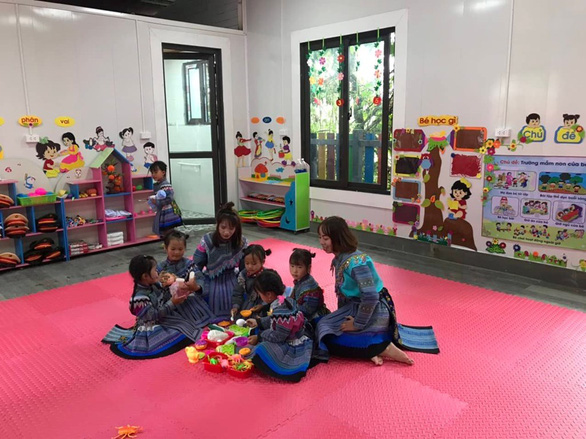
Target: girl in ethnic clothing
{"points": [[244, 297], [365, 324], [306, 292], [176, 263], [283, 350], [218, 258], [168, 213], [164, 325]]}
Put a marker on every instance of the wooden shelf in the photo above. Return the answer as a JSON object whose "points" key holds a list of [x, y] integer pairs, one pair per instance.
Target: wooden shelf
{"points": [[84, 226], [119, 194], [259, 201], [120, 220], [72, 200], [79, 182]]}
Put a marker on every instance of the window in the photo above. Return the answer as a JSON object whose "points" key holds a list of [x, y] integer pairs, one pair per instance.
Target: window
{"points": [[196, 93], [347, 110]]}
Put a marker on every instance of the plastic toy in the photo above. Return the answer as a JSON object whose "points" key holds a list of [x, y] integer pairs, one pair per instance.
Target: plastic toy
{"points": [[244, 351], [8, 259], [201, 345], [128, 431], [241, 323], [5, 201], [246, 313], [160, 195], [193, 355], [217, 336]]}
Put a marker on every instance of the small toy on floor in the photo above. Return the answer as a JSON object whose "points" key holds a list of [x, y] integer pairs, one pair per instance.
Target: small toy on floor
{"points": [[127, 431]]}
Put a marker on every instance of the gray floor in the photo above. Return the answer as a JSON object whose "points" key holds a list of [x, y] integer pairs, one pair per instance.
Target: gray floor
{"points": [[35, 279]]}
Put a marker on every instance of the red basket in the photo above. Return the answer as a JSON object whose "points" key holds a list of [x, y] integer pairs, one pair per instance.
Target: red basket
{"points": [[215, 344], [240, 373], [215, 368]]}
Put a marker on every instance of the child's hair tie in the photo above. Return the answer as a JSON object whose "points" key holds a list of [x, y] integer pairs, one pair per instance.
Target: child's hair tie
{"points": [[466, 182]]}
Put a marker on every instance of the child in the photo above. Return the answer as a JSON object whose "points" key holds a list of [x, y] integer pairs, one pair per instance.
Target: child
{"points": [[164, 325], [306, 292], [176, 263], [365, 325], [283, 350], [168, 213], [220, 253], [244, 296]]}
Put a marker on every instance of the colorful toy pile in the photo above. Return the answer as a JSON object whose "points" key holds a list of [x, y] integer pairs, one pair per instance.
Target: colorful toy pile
{"points": [[223, 348], [43, 250]]}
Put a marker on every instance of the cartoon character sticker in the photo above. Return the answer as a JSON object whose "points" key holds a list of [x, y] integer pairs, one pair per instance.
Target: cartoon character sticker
{"points": [[257, 145], [73, 158], [241, 151], [533, 131], [128, 146], [149, 154], [570, 132], [48, 151], [29, 181], [100, 142], [460, 193]]}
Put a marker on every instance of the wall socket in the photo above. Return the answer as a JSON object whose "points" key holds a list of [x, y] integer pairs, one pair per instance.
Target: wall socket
{"points": [[502, 132], [32, 138], [145, 135]]}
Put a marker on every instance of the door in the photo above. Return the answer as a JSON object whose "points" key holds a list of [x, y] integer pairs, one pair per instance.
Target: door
{"points": [[193, 98]]}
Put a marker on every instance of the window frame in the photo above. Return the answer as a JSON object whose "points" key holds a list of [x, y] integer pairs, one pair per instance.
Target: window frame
{"points": [[204, 105], [343, 183]]}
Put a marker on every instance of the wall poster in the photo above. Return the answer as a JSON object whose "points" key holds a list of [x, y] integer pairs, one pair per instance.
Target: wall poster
{"points": [[535, 199]]}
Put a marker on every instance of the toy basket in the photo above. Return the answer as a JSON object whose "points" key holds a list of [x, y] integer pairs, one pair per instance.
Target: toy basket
{"points": [[215, 368], [240, 373], [25, 200]]}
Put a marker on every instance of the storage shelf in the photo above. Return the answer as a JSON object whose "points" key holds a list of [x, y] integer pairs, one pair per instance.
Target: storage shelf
{"points": [[119, 194], [79, 182], [101, 223], [146, 215], [73, 200], [41, 233], [259, 201], [266, 182], [120, 220]]}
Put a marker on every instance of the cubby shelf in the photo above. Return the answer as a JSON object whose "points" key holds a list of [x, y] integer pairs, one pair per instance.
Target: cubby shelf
{"points": [[67, 207]]}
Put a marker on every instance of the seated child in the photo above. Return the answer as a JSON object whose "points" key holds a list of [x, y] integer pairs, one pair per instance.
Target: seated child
{"points": [[244, 297], [283, 350], [176, 263], [165, 324], [306, 292]]}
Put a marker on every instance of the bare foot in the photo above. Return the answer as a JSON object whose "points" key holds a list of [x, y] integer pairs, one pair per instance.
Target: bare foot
{"points": [[377, 360], [392, 352]]}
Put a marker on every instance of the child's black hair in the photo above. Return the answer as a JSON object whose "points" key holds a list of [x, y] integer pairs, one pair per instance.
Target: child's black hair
{"points": [[257, 251], [287, 138], [149, 145], [140, 265], [42, 148], [532, 116], [573, 117], [270, 132], [227, 213], [300, 256], [254, 134], [461, 186], [238, 134], [175, 234], [124, 131], [269, 281], [69, 136], [158, 166]]}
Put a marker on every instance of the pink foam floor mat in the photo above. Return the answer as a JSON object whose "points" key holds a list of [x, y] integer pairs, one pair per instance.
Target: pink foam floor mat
{"points": [[509, 367]]}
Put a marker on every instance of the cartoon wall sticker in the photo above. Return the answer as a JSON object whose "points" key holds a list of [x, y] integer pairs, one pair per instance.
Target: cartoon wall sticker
{"points": [[286, 150], [29, 181], [562, 183], [533, 131], [408, 140], [257, 145], [504, 207], [241, 151], [459, 193], [48, 151], [100, 142], [149, 154], [1, 152], [73, 158], [569, 212], [270, 143], [128, 147], [570, 132]]}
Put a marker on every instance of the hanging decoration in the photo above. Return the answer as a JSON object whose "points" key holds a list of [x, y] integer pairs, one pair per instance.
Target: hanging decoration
{"points": [[341, 59], [377, 100], [316, 79]]}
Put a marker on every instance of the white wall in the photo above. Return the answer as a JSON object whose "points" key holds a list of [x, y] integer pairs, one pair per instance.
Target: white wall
{"points": [[457, 62], [100, 68]]}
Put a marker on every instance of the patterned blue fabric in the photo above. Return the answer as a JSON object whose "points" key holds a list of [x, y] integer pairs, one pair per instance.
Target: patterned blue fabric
{"points": [[168, 212]]}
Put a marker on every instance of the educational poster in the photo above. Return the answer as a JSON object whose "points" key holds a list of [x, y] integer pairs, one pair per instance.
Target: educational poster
{"points": [[535, 199]]}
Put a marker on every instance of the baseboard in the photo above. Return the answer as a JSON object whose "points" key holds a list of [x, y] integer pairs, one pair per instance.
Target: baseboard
{"points": [[547, 273]]}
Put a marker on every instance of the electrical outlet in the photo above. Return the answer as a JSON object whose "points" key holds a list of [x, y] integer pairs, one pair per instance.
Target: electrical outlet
{"points": [[145, 135], [502, 132], [32, 138], [283, 132]]}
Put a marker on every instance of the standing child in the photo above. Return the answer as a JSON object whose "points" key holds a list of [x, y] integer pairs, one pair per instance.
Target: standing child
{"points": [[365, 324], [244, 296], [220, 253], [168, 213], [164, 325], [283, 350], [306, 292]]}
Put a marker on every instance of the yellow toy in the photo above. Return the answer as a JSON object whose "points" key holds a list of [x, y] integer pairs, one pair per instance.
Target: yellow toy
{"points": [[193, 355], [128, 431]]}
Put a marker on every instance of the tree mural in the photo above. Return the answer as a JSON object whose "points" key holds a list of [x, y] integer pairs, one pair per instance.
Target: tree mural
{"points": [[433, 218]]}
